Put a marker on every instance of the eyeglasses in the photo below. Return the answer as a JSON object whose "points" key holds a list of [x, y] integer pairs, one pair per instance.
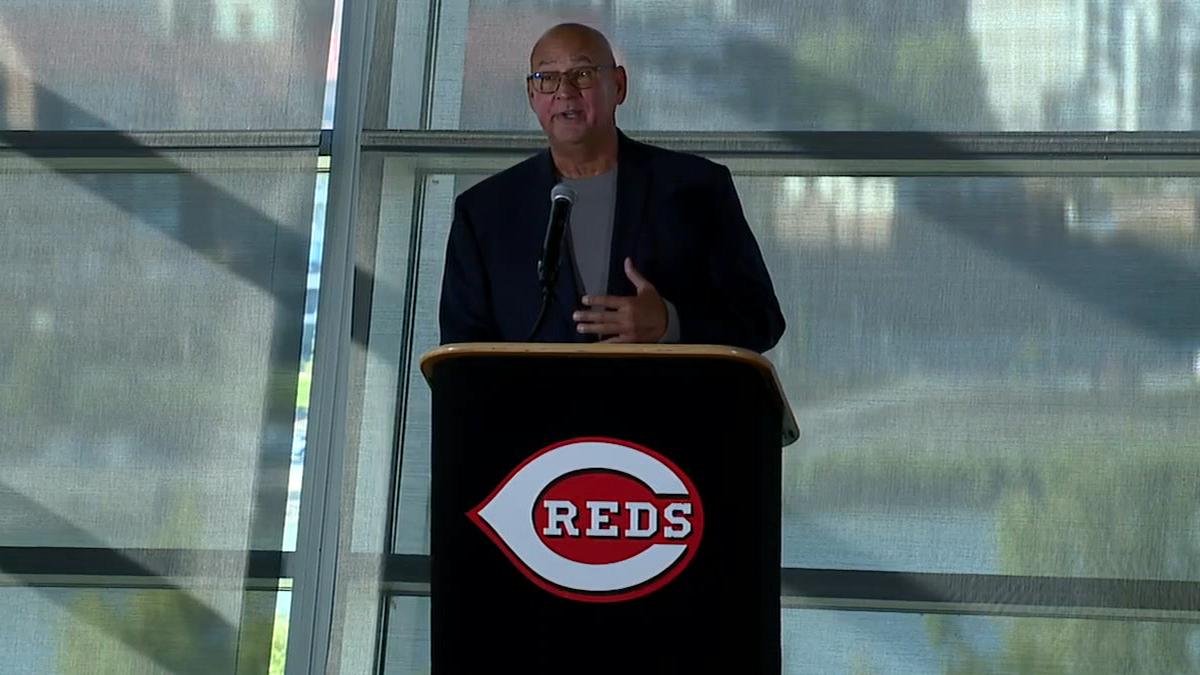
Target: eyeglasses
{"points": [[583, 77]]}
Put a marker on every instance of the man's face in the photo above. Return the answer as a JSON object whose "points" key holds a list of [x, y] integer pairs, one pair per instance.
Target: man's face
{"points": [[572, 115]]}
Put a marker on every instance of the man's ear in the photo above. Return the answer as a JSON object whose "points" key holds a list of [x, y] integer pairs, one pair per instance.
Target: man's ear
{"points": [[620, 80]]}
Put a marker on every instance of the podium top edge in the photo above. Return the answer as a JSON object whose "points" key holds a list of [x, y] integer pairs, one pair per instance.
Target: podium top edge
{"points": [[431, 359]]}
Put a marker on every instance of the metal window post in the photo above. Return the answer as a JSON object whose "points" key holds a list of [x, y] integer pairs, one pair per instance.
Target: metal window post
{"points": [[317, 544]]}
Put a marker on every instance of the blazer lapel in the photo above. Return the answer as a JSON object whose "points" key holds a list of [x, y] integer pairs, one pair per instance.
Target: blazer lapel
{"points": [[633, 187]]}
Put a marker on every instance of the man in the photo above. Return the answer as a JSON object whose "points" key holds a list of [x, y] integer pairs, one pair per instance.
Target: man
{"points": [[658, 249]]}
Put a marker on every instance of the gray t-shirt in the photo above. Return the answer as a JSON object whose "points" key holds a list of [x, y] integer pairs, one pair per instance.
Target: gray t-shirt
{"points": [[591, 229], [590, 234]]}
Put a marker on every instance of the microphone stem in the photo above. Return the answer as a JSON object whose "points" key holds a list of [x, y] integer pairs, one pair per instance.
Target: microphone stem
{"points": [[541, 316]]}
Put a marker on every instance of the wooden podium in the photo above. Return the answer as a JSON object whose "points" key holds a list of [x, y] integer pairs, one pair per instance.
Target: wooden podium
{"points": [[605, 508]]}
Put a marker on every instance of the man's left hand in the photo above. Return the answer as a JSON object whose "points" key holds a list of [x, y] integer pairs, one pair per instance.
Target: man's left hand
{"points": [[637, 318]]}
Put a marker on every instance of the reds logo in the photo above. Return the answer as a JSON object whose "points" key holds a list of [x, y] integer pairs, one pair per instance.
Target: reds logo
{"points": [[595, 519]]}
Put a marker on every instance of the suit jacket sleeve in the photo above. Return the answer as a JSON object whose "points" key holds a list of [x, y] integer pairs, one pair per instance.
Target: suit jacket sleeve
{"points": [[742, 310], [465, 313]]}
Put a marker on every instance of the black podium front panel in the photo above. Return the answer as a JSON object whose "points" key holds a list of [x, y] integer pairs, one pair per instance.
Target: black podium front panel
{"points": [[604, 515]]}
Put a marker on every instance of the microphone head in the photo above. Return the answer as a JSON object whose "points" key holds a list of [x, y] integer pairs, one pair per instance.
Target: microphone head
{"points": [[562, 191]]}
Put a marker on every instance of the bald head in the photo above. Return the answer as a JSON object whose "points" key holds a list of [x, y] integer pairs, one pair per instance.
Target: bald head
{"points": [[588, 40], [574, 89]]}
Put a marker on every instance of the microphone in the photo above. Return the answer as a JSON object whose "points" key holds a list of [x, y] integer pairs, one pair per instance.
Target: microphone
{"points": [[562, 198]]}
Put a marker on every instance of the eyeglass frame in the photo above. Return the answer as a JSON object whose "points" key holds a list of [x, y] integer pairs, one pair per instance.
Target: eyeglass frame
{"points": [[565, 75]]}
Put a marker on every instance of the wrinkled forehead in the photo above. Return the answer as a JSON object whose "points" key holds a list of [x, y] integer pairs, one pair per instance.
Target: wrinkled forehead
{"points": [[569, 48]]}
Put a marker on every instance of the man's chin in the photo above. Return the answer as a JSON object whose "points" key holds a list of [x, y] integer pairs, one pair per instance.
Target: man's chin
{"points": [[570, 137]]}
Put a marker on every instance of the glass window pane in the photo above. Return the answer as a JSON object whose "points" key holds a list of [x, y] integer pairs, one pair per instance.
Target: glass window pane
{"points": [[991, 375], [412, 522], [827, 641], [837, 64], [123, 631], [406, 647], [152, 343], [163, 64]]}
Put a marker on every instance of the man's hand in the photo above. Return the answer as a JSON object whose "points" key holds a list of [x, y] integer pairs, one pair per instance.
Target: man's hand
{"points": [[638, 318]]}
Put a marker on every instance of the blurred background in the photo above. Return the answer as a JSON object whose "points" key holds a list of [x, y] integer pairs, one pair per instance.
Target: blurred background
{"points": [[982, 218]]}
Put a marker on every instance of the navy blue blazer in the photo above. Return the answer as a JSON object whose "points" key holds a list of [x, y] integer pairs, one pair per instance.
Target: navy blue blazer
{"points": [[677, 216]]}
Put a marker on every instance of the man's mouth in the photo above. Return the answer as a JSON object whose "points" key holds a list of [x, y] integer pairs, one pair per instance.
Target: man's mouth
{"points": [[570, 115]]}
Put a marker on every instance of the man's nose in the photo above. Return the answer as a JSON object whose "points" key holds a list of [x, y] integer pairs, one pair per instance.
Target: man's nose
{"points": [[566, 89]]}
